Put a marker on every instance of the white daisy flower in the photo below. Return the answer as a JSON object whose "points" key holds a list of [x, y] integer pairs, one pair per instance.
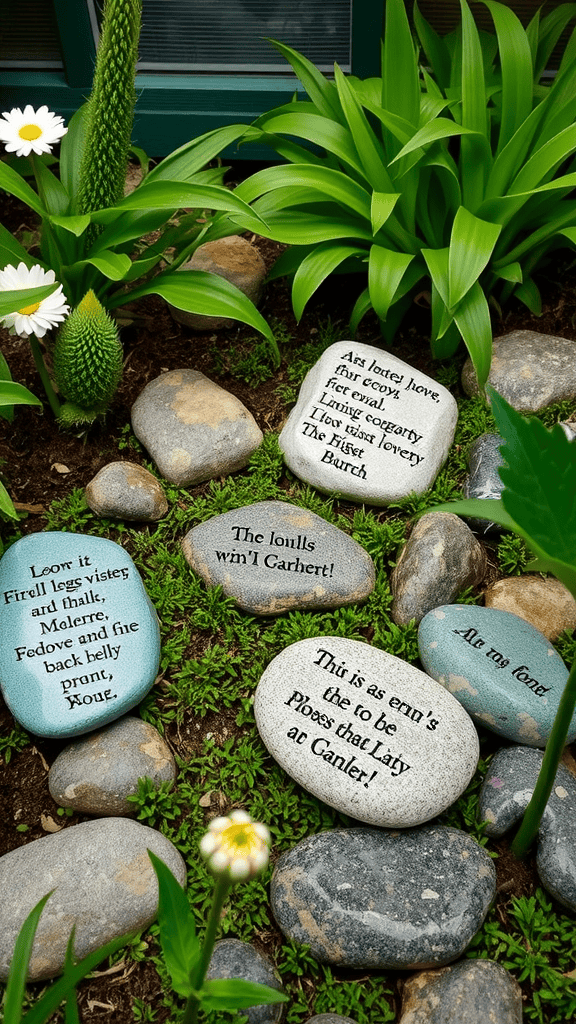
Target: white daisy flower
{"points": [[40, 316], [27, 130], [236, 846]]}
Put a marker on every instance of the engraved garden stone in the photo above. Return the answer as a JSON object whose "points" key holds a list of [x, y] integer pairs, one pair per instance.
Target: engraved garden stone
{"points": [[368, 426], [364, 731], [125, 490], [103, 883], [502, 669], [273, 557], [469, 992], [366, 898], [80, 637], [529, 369]]}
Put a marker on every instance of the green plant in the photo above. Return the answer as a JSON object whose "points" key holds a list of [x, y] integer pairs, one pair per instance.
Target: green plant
{"points": [[456, 175], [87, 362], [11, 394]]}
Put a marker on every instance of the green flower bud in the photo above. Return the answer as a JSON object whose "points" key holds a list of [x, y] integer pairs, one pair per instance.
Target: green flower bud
{"points": [[88, 359]]}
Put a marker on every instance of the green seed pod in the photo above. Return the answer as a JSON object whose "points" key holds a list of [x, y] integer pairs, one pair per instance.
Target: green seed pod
{"points": [[88, 357]]}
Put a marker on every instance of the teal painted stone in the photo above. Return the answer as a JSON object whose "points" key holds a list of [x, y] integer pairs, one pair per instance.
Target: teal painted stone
{"points": [[501, 669], [80, 637]]}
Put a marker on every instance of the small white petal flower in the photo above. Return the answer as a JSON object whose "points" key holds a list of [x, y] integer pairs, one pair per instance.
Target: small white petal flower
{"points": [[40, 316], [24, 131], [236, 846]]}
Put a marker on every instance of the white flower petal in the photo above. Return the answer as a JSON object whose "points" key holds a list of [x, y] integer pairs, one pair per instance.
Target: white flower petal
{"points": [[27, 130], [39, 317]]}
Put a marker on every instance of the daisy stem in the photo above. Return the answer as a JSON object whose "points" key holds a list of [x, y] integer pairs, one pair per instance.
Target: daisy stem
{"points": [[41, 367], [221, 889]]}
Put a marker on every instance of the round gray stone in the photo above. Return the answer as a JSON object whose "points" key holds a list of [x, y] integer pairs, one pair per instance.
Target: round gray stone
{"points": [[483, 480], [530, 370], [125, 490], [330, 1018], [103, 884], [193, 429], [469, 992], [238, 262], [440, 558], [232, 958], [366, 898], [96, 774]]}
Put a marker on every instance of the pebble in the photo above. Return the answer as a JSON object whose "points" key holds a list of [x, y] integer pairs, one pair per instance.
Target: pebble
{"points": [[387, 900], [502, 669], [545, 603], [104, 885], [483, 480], [273, 557], [364, 731], [330, 1018], [193, 429], [368, 426], [530, 370], [232, 958], [469, 992], [80, 637], [237, 261], [125, 490], [96, 774], [505, 794], [440, 558]]}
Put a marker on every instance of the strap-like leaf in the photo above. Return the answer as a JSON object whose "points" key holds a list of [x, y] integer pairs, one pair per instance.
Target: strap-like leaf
{"points": [[516, 67], [76, 224], [362, 306], [381, 208], [235, 994], [400, 75], [183, 163], [315, 268], [71, 150], [12, 393], [471, 245], [320, 90], [12, 252], [18, 298], [369, 149], [386, 268], [180, 944], [12, 183], [472, 318], [318, 130], [434, 47], [14, 996]]}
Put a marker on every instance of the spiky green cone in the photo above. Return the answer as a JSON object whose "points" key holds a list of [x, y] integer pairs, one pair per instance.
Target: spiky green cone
{"points": [[87, 361], [111, 107]]}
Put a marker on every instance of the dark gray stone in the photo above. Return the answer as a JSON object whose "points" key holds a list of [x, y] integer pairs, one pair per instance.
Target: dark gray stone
{"points": [[469, 992], [103, 884], [234, 959], [330, 1018], [440, 558], [273, 557], [97, 774], [530, 370], [504, 796], [483, 480], [366, 898], [125, 490]]}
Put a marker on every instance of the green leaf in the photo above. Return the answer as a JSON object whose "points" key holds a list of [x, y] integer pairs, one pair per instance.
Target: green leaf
{"points": [[7, 509], [183, 163], [315, 268], [11, 252], [14, 995], [437, 263], [471, 245], [331, 135], [362, 306], [480, 508], [177, 195], [180, 945], [12, 393], [472, 318], [386, 268], [400, 77], [51, 189], [71, 149], [11, 181], [323, 183], [319, 89], [13, 300], [434, 47], [76, 224], [511, 272], [370, 151], [114, 265], [235, 994], [516, 67], [381, 207], [440, 128]]}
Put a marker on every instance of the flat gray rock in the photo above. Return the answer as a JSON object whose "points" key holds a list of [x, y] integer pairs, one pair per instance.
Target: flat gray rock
{"points": [[273, 557], [80, 636], [469, 992], [232, 958], [125, 490], [238, 262], [367, 898], [365, 732], [368, 426], [483, 480], [193, 429], [530, 370], [97, 774], [104, 885], [440, 558], [505, 794]]}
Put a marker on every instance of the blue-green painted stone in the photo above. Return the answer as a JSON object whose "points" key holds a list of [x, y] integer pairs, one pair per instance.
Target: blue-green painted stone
{"points": [[80, 637], [501, 669]]}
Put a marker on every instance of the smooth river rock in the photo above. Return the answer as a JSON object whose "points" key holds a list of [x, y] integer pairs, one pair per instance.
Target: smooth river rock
{"points": [[505, 794], [238, 262], [440, 558], [364, 731], [545, 603], [387, 900], [469, 992], [273, 557], [193, 429], [530, 370], [97, 773], [483, 480], [104, 885], [368, 426], [80, 637], [232, 958], [125, 490]]}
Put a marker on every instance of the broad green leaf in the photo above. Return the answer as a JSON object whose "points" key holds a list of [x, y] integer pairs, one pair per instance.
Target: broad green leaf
{"points": [[180, 944], [19, 298], [331, 184], [12, 183], [386, 269], [369, 150], [437, 263], [434, 47], [472, 318], [296, 227], [319, 89], [71, 150], [471, 245], [51, 189], [286, 148], [440, 128], [14, 995], [130, 225], [480, 508], [177, 195], [7, 509], [11, 252], [511, 272], [288, 263], [400, 75], [475, 154], [138, 268], [362, 306], [76, 224], [549, 156], [319, 130], [551, 29], [381, 208], [12, 393], [529, 293], [184, 162], [567, 181], [114, 265], [235, 994], [516, 69], [315, 268], [511, 158]]}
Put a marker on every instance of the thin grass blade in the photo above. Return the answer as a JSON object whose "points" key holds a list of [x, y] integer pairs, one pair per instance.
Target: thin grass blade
{"points": [[14, 994]]}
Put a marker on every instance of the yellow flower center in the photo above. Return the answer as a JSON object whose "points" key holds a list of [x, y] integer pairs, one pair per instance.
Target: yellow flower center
{"points": [[28, 310], [237, 838], [29, 132]]}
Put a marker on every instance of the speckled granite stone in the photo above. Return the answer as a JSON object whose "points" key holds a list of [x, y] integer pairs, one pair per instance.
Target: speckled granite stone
{"points": [[530, 370], [503, 671], [125, 490], [483, 480], [504, 796], [97, 774], [366, 898], [273, 557], [232, 958], [440, 558], [469, 992], [104, 885]]}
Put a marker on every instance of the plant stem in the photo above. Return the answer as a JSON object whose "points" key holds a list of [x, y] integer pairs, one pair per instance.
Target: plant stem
{"points": [[554, 747], [41, 367], [221, 890]]}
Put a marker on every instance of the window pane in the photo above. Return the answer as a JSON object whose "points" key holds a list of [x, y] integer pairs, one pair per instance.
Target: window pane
{"points": [[28, 35]]}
